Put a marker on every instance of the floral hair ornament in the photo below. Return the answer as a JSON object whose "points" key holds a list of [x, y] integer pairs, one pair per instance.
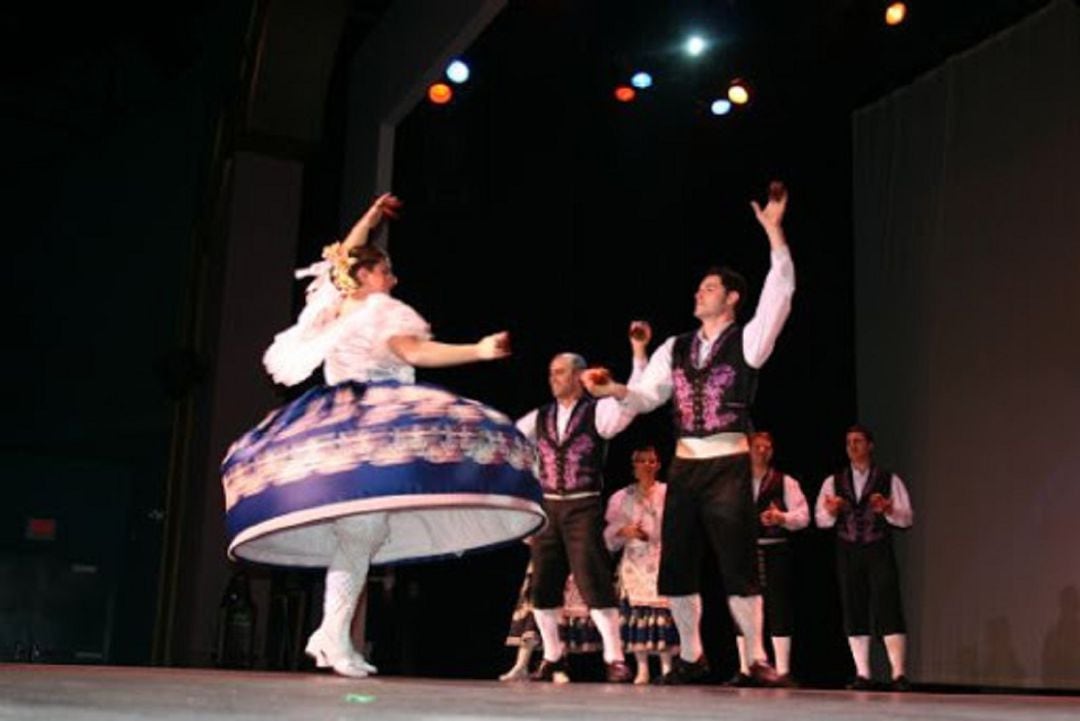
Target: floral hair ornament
{"points": [[341, 267]]}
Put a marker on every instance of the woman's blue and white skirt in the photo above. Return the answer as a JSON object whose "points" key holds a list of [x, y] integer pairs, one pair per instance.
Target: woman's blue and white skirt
{"points": [[649, 629], [452, 475]]}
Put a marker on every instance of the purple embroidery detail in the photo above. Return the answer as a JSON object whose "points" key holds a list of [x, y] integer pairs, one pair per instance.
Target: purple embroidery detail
{"points": [[858, 522], [550, 450], [579, 449], [547, 454], [716, 386], [699, 393], [551, 423], [684, 398]]}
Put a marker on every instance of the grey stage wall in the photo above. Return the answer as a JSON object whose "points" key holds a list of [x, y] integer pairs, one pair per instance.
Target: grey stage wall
{"points": [[967, 232]]}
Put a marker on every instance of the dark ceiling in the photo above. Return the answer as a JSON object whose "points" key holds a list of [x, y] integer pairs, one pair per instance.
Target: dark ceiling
{"points": [[72, 73], [792, 52], [73, 68]]}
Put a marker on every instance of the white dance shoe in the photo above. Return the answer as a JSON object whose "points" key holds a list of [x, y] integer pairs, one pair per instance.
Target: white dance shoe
{"points": [[517, 673], [343, 659]]}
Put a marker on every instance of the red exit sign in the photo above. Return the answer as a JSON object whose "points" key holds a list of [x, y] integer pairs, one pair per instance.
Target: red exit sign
{"points": [[41, 529]]}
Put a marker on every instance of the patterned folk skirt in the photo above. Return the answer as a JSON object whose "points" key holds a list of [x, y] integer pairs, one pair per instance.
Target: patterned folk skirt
{"points": [[648, 629], [576, 629], [452, 475]]}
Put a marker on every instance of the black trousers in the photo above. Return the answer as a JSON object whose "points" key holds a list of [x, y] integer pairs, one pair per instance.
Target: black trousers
{"points": [[573, 542], [709, 501], [869, 588], [775, 576]]}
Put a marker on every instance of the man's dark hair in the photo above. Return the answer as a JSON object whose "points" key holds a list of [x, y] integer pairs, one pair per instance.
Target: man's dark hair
{"points": [[863, 430], [732, 280]]}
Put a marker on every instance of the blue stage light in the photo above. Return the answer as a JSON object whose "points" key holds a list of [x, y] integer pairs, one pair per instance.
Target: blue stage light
{"points": [[721, 107]]}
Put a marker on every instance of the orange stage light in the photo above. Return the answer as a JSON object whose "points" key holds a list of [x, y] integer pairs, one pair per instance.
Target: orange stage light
{"points": [[440, 93], [895, 13]]}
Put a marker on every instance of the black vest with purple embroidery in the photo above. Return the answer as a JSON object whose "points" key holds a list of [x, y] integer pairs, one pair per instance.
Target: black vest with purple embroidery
{"points": [[857, 522], [715, 398], [575, 463], [771, 493]]}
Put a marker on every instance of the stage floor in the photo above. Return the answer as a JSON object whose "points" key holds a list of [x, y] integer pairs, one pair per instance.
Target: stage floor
{"points": [[63, 693]]}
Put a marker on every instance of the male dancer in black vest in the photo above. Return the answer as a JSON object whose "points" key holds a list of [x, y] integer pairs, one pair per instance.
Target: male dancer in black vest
{"points": [[710, 375], [782, 510], [864, 503], [571, 436]]}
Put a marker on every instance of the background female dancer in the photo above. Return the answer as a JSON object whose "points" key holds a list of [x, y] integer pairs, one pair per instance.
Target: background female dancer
{"points": [[634, 516]]}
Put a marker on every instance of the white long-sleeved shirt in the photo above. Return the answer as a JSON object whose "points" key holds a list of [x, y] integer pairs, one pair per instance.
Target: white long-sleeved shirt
{"points": [[797, 515], [901, 515], [612, 416], [611, 419], [654, 386]]}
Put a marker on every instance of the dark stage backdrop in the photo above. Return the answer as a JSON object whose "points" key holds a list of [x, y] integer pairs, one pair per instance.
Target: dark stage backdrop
{"points": [[967, 222]]}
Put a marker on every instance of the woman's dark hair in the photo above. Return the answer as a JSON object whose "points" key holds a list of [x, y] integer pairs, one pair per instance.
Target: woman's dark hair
{"points": [[367, 257]]}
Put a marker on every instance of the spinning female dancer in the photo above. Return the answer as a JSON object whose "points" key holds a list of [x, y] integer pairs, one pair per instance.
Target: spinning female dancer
{"points": [[372, 467]]}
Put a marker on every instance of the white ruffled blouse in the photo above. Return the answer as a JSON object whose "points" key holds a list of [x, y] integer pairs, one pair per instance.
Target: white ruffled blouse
{"points": [[352, 346]]}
